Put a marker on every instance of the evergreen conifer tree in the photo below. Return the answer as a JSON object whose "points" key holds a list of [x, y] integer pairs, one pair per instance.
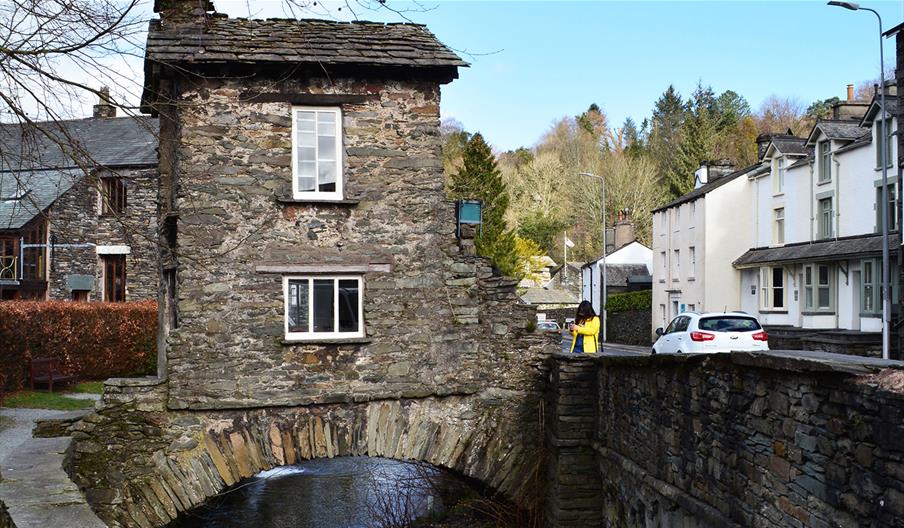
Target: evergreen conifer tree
{"points": [[698, 135], [480, 179]]}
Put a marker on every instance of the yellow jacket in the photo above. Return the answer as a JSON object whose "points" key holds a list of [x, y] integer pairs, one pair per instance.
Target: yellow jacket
{"points": [[590, 330]]}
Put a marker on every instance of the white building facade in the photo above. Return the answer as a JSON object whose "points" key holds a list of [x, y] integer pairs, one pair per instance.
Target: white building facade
{"points": [[591, 273], [695, 240], [816, 258]]}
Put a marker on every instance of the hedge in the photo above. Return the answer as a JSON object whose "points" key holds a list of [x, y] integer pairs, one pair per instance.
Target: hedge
{"points": [[622, 302], [92, 340]]}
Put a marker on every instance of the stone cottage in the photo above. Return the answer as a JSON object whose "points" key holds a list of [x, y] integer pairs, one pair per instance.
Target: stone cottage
{"points": [[78, 208], [311, 253]]}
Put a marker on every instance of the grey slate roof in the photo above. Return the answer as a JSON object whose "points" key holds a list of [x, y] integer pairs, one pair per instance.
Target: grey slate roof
{"points": [[223, 39], [702, 190], [801, 162], [827, 250], [891, 107], [110, 142], [862, 141], [43, 188], [840, 130], [618, 274], [790, 144]]}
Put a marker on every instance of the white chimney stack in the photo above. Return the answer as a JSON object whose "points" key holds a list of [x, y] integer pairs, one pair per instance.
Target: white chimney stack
{"points": [[701, 175]]}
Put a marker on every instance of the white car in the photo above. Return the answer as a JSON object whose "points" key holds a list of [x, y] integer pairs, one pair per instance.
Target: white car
{"points": [[693, 332]]}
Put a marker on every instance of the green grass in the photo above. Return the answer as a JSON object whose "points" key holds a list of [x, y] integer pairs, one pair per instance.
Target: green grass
{"points": [[45, 400], [88, 387]]}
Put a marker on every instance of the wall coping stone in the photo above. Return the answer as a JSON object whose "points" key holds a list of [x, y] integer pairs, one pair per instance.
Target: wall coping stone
{"points": [[790, 360], [145, 381]]}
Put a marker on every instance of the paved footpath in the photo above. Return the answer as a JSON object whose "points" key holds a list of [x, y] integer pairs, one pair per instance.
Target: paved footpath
{"points": [[34, 487]]}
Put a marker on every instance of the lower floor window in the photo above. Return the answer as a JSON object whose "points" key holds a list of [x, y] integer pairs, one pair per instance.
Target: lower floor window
{"points": [[323, 307], [114, 278], [772, 285], [819, 287]]}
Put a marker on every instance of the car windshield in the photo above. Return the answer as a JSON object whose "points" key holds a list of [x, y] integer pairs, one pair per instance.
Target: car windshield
{"points": [[728, 323]]}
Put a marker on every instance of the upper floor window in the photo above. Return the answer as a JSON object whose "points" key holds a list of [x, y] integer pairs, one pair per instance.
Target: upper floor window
{"points": [[676, 265], [886, 145], [892, 208], [113, 196], [778, 236], [316, 153], [825, 161], [778, 182], [825, 219], [321, 307], [692, 258], [677, 218]]}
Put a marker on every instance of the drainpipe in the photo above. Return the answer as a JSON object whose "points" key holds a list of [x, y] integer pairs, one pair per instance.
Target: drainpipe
{"points": [[837, 200]]}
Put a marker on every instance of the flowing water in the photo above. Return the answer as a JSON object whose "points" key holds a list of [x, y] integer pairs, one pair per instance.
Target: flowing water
{"points": [[349, 492]]}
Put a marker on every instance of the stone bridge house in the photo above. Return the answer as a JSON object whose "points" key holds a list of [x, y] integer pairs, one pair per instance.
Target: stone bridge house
{"points": [[314, 298]]}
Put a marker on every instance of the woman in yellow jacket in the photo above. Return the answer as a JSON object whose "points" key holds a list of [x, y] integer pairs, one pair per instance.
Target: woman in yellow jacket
{"points": [[585, 330]]}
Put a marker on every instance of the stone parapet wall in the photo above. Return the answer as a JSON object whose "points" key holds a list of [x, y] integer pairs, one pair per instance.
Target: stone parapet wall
{"points": [[631, 327], [748, 440]]}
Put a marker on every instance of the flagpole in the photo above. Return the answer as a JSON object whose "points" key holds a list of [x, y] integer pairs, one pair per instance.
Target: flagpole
{"points": [[565, 268]]}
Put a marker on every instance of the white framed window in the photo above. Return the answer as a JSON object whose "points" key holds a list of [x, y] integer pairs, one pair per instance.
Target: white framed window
{"points": [[778, 236], [870, 289], [677, 218], [826, 218], [772, 288], [892, 208], [676, 265], [778, 182], [663, 266], [316, 153], [323, 307], [692, 258]]}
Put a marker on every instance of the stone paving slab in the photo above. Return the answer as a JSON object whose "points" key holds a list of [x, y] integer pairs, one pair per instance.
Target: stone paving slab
{"points": [[37, 491]]}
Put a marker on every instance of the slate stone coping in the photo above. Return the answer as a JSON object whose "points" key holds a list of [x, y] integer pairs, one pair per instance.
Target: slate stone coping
{"points": [[144, 381], [790, 360], [287, 200], [350, 341], [58, 425]]}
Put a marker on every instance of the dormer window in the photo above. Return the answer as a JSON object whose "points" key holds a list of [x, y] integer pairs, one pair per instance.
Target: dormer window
{"points": [[316, 153], [825, 161], [778, 185]]}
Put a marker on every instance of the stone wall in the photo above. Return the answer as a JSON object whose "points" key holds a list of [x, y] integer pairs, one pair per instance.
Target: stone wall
{"points": [[747, 440], [437, 321], [75, 219], [631, 327], [866, 344]]}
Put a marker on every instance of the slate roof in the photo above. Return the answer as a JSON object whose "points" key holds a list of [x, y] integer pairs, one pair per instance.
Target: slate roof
{"points": [[827, 250], [790, 144], [702, 190], [109, 142], [862, 141], [223, 39], [803, 161], [619, 274], [891, 107], [839, 130], [43, 187]]}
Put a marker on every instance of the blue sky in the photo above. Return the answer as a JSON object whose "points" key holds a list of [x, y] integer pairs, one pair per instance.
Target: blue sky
{"points": [[555, 58]]}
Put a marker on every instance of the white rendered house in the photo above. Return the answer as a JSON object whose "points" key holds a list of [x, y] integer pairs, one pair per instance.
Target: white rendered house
{"points": [[816, 259], [631, 260]]}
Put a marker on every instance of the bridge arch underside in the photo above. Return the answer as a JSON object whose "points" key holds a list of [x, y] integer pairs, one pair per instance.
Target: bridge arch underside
{"points": [[200, 453]]}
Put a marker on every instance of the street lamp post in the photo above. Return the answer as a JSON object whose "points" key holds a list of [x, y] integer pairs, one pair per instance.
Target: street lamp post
{"points": [[882, 144], [605, 283]]}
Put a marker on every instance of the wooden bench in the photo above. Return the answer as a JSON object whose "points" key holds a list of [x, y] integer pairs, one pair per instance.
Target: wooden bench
{"points": [[46, 371]]}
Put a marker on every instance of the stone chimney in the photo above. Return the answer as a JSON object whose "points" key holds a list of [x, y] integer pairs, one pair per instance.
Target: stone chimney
{"points": [[850, 93], [762, 143], [849, 109], [624, 229], [183, 11], [103, 109]]}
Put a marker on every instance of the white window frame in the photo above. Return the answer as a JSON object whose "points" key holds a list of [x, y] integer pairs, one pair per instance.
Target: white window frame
{"points": [[826, 218], [692, 258], [778, 223], [778, 185], [825, 162], [676, 265], [768, 287], [340, 164], [311, 335], [811, 301]]}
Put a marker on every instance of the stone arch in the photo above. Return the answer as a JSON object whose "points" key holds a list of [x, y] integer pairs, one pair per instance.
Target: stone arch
{"points": [[213, 450]]}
